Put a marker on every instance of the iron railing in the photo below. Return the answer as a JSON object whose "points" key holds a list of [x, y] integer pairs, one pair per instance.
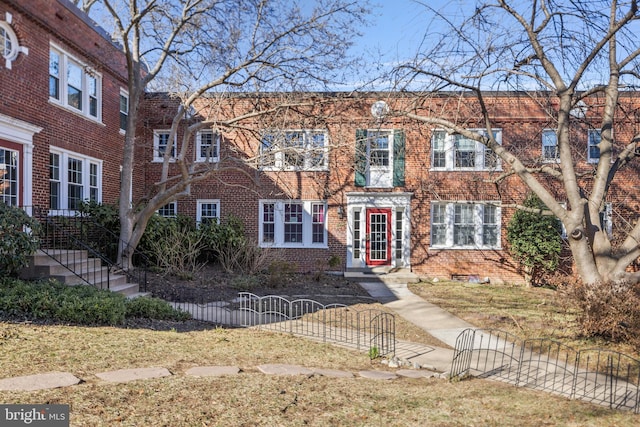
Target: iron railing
{"points": [[65, 231], [72, 253], [599, 376], [364, 330]]}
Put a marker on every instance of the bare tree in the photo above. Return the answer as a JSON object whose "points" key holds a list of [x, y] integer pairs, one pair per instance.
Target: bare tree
{"points": [[582, 56], [194, 48]]}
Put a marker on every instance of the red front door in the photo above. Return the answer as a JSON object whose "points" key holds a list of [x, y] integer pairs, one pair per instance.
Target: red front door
{"points": [[378, 248]]}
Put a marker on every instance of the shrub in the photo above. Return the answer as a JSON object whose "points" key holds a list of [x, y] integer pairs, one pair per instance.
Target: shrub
{"points": [[245, 282], [534, 240], [17, 239], [154, 308], [608, 310], [227, 244], [279, 271], [82, 305], [174, 244]]}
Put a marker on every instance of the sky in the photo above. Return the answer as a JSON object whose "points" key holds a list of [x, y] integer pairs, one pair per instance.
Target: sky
{"points": [[398, 26]]}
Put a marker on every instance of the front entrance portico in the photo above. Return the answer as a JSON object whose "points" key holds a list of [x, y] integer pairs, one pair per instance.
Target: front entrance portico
{"points": [[378, 231]]}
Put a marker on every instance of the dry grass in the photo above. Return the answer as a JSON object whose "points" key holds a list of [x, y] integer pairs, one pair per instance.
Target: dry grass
{"points": [[255, 399], [524, 312]]}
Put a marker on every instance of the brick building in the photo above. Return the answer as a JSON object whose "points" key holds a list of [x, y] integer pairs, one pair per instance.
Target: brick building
{"points": [[63, 93], [340, 177]]}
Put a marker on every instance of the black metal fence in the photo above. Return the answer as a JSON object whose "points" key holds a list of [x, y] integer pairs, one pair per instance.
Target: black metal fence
{"points": [[361, 329], [599, 376]]}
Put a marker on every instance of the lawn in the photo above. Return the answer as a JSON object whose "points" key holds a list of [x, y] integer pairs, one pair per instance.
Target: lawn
{"points": [[524, 312], [252, 398]]}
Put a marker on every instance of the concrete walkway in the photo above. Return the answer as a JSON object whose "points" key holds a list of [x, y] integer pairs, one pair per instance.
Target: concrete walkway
{"points": [[431, 318]]}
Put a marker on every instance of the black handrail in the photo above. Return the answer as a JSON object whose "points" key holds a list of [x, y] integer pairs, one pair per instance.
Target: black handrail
{"points": [[87, 233]]}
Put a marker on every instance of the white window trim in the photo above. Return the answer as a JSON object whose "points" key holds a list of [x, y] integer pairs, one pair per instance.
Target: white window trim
{"points": [[201, 202], [279, 152], [175, 209], [549, 159], [307, 225], [16, 49], [480, 152], [589, 158], [125, 94], [478, 223], [216, 141], [65, 57], [4, 179], [64, 177], [157, 157]]}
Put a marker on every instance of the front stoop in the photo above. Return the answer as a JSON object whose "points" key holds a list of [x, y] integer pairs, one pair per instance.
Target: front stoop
{"points": [[66, 267], [383, 274]]}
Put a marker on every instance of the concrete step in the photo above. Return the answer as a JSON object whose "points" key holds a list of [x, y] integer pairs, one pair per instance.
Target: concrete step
{"points": [[384, 274], [42, 266]]}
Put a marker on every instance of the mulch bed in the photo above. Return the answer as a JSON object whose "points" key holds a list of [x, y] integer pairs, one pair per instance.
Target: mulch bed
{"points": [[213, 284]]}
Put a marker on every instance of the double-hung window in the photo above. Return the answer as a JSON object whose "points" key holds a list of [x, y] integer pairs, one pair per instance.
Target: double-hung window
{"points": [[74, 85], [294, 150], [208, 211], [124, 110], [161, 145], [594, 137], [73, 179], [456, 225], [207, 146], [457, 152], [293, 223], [550, 151]]}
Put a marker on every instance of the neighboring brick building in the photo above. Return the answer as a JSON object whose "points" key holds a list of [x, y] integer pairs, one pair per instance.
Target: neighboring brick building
{"points": [[334, 181], [63, 81], [335, 178]]}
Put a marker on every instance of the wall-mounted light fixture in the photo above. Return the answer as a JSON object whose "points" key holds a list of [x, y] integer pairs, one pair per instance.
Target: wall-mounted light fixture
{"points": [[340, 212]]}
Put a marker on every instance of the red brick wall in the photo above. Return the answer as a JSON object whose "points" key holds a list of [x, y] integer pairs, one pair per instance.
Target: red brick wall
{"points": [[520, 118], [25, 91]]}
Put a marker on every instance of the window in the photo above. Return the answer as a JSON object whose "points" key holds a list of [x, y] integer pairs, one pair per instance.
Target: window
{"points": [[456, 152], [317, 222], [74, 85], [208, 211], [208, 146], [170, 210], [9, 177], [465, 225], [294, 150], [378, 148], [124, 110], [160, 144], [75, 187], [293, 223], [594, 150], [549, 145], [379, 158], [438, 151], [606, 220], [399, 238], [73, 179], [356, 234], [9, 47]]}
